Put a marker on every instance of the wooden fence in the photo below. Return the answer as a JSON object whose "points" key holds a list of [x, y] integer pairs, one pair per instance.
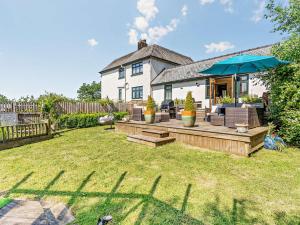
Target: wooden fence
{"points": [[19, 107], [92, 107], [18, 132]]}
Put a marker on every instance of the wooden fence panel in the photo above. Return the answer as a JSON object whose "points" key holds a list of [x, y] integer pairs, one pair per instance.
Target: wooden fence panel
{"points": [[19, 107], [92, 107]]}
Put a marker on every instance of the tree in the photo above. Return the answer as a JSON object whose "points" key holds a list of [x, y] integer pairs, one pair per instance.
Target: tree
{"points": [[89, 92], [3, 99], [284, 82], [48, 103], [286, 19], [26, 99]]}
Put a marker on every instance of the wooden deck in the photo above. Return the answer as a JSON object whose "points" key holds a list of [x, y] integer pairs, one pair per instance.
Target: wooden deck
{"points": [[204, 135]]}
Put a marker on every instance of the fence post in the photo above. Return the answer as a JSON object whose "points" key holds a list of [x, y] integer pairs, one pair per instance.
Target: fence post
{"points": [[3, 135]]}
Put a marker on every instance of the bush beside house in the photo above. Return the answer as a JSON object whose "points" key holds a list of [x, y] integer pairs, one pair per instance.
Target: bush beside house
{"points": [[81, 120]]}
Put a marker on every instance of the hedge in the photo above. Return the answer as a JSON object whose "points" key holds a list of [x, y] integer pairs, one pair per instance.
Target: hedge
{"points": [[81, 120]]}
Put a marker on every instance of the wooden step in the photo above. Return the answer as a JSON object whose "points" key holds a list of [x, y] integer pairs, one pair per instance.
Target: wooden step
{"points": [[155, 133], [150, 141]]}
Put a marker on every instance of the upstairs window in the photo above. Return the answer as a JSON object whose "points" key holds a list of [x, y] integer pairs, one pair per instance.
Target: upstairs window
{"points": [[122, 73], [137, 68]]}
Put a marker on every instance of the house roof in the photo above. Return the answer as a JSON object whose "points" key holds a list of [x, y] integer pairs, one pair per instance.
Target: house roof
{"points": [[190, 71], [155, 51]]}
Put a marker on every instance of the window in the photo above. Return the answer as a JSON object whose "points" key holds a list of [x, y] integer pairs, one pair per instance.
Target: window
{"points": [[137, 68], [168, 92], [207, 88], [243, 85], [137, 92], [120, 94], [122, 73]]}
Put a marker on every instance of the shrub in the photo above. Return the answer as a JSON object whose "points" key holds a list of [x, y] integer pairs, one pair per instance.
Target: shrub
{"points": [[105, 101], [179, 101], [84, 120], [225, 100], [120, 115], [150, 104], [290, 126], [189, 102], [251, 99]]}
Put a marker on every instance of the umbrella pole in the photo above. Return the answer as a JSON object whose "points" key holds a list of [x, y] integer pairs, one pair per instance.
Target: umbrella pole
{"points": [[235, 91]]}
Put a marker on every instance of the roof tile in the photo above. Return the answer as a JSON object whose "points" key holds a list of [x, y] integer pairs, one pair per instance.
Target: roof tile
{"points": [[191, 71]]}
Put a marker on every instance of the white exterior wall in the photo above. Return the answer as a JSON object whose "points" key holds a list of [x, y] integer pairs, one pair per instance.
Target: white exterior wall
{"points": [[180, 90], [111, 82], [157, 66], [256, 87]]}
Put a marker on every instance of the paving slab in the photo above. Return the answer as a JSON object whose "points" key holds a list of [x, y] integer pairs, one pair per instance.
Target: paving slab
{"points": [[23, 212]]}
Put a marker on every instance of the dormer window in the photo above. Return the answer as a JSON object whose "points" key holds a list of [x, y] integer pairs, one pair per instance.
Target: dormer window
{"points": [[122, 73], [137, 68]]}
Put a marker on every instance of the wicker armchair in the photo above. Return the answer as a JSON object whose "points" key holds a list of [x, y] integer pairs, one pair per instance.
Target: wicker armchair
{"points": [[162, 117], [137, 114], [251, 116], [217, 119]]}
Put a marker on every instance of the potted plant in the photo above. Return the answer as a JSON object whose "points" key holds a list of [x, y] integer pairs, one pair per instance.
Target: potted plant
{"points": [[189, 113], [150, 111], [253, 101]]}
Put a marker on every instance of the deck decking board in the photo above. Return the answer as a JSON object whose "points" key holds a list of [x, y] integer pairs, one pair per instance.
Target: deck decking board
{"points": [[204, 136]]}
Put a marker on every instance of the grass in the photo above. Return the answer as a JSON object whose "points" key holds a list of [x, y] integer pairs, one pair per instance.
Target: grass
{"points": [[4, 202], [97, 172]]}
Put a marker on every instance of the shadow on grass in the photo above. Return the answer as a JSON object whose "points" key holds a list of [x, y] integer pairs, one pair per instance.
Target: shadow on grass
{"points": [[147, 208]]}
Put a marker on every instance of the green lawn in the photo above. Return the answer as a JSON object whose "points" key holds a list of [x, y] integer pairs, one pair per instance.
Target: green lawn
{"points": [[97, 172]]}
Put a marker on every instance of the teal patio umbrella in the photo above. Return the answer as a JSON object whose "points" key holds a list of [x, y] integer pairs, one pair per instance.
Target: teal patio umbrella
{"points": [[243, 64]]}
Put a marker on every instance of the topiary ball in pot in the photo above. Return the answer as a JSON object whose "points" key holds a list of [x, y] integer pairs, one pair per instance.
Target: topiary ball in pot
{"points": [[189, 113], [150, 111]]}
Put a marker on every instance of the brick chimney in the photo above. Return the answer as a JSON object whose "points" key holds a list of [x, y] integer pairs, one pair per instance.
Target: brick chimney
{"points": [[142, 43]]}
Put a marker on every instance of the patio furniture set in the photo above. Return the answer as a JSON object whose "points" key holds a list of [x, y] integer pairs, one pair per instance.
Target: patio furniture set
{"points": [[220, 115]]}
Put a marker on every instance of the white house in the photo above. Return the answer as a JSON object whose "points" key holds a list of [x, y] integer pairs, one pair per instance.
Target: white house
{"points": [[165, 74], [129, 77]]}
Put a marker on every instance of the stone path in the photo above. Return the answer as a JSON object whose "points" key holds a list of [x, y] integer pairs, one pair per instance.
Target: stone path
{"points": [[25, 212]]}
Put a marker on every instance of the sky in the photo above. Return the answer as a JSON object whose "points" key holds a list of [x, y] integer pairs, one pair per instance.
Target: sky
{"points": [[57, 45]]}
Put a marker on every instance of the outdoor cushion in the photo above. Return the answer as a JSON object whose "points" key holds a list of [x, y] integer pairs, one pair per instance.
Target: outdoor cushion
{"points": [[214, 109]]}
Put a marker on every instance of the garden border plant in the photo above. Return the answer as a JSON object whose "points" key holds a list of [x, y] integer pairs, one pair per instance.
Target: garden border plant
{"points": [[150, 111], [81, 120], [189, 113]]}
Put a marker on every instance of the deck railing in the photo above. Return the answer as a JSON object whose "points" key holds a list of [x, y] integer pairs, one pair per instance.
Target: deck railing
{"points": [[23, 131]]}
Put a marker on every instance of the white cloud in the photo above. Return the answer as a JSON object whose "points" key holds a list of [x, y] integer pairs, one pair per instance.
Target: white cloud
{"points": [[258, 13], [147, 8], [157, 32], [144, 36], [141, 23], [205, 2], [141, 29], [227, 4], [218, 47], [184, 10], [92, 42], [133, 36]]}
